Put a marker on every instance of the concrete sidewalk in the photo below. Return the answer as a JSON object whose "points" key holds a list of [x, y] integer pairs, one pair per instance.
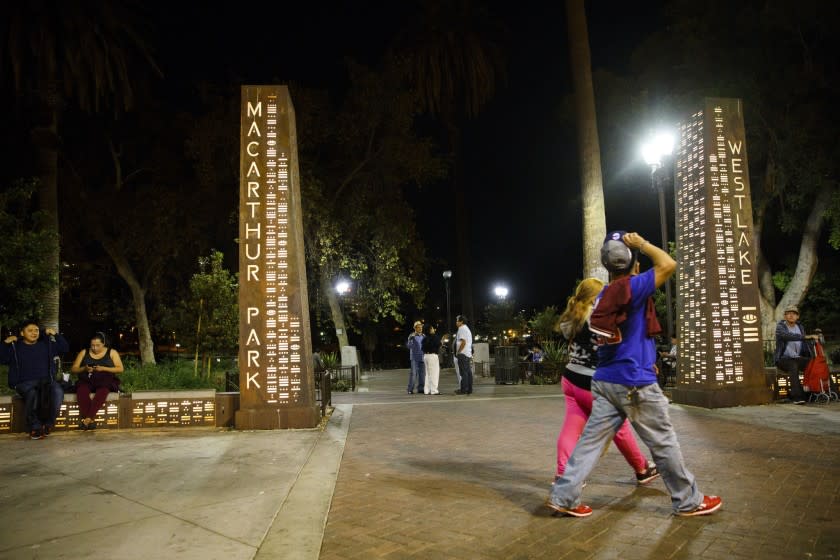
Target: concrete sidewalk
{"points": [[420, 477]]}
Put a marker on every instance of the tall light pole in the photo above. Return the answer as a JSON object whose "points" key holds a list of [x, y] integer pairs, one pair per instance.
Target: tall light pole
{"points": [[447, 274], [653, 151]]}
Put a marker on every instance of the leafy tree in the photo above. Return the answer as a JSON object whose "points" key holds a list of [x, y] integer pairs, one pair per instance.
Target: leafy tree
{"points": [[790, 115], [208, 320], [25, 271], [543, 323], [60, 55], [356, 158], [501, 317]]}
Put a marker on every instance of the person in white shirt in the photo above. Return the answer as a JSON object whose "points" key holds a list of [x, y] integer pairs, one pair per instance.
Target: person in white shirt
{"points": [[463, 353]]}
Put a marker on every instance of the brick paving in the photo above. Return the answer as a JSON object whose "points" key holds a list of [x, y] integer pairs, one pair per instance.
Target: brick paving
{"points": [[465, 477]]}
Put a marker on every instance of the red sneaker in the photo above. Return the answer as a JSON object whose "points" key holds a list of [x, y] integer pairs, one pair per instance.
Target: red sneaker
{"points": [[36, 434], [710, 504], [579, 511]]}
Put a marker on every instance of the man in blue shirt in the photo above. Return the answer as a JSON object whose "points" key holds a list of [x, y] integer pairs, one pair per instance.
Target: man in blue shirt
{"points": [[793, 351], [415, 354], [624, 384]]}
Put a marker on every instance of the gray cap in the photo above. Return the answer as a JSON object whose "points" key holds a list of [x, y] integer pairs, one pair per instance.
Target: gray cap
{"points": [[615, 255]]}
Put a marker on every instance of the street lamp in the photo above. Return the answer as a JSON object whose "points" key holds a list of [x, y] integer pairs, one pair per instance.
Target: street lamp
{"points": [[653, 151], [500, 291], [447, 274], [342, 287]]}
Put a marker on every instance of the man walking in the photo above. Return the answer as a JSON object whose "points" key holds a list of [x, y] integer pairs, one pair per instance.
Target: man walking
{"points": [[624, 385], [415, 354], [463, 353]]}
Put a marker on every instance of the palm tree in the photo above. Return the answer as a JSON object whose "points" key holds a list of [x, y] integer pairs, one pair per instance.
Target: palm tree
{"points": [[454, 60], [592, 189], [61, 54]]}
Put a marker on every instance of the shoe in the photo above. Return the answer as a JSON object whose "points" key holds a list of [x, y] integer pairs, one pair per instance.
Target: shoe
{"points": [[799, 402], [46, 429], [579, 511], [459, 392], [710, 504], [36, 434], [438, 393], [82, 425], [410, 392], [651, 473], [91, 426], [425, 393]]}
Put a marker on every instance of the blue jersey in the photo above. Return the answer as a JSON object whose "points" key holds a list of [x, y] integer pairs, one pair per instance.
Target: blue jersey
{"points": [[631, 362]]}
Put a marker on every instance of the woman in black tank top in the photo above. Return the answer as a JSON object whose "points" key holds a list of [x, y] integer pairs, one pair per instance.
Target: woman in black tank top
{"points": [[98, 367]]}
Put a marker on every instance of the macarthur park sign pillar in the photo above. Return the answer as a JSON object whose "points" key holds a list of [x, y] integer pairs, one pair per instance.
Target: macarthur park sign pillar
{"points": [[276, 380], [720, 360]]}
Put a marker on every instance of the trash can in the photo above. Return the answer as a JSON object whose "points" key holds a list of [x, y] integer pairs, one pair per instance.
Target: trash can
{"points": [[507, 365]]}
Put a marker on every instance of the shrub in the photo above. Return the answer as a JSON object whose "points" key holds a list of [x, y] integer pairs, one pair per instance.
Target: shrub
{"points": [[168, 374]]}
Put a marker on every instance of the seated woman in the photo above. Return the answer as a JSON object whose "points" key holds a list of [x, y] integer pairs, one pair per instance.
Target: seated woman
{"points": [[98, 367]]}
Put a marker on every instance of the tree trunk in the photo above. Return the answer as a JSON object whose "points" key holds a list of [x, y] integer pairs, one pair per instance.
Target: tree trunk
{"points": [[462, 220], [45, 137], [594, 217], [336, 312], [806, 266], [138, 296]]}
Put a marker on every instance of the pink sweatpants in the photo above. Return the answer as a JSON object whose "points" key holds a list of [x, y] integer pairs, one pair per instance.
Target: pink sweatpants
{"points": [[578, 409]]}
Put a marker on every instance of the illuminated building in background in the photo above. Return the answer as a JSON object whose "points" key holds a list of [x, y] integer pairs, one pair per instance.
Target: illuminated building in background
{"points": [[720, 359], [276, 381]]}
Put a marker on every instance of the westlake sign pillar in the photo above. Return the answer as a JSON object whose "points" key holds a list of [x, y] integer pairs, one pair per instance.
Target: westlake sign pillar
{"points": [[276, 381], [720, 358]]}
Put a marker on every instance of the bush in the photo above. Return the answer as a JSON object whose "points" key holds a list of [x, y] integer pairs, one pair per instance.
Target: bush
{"points": [[168, 375], [342, 385]]}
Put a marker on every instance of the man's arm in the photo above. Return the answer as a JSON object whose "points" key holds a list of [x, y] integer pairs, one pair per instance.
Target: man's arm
{"points": [[461, 343], [663, 265]]}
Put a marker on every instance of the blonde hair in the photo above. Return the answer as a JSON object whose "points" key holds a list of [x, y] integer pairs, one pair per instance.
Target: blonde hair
{"points": [[579, 305]]}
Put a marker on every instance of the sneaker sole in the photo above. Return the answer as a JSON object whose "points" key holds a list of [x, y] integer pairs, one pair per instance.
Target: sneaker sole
{"points": [[565, 511], [648, 480], [697, 512]]}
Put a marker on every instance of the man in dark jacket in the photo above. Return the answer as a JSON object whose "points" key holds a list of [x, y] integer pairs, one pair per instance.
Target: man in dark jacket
{"points": [[793, 351], [31, 360]]}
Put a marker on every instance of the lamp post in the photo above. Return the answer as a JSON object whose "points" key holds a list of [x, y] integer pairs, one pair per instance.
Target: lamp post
{"points": [[653, 151], [447, 274], [342, 288], [500, 291]]}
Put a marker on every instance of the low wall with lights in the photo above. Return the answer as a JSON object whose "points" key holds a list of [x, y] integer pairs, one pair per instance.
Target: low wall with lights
{"points": [[141, 409]]}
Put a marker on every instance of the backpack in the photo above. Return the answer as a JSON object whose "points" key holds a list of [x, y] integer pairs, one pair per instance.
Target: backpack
{"points": [[816, 378]]}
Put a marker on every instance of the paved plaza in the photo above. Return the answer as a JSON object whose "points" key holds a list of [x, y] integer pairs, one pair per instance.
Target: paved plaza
{"points": [[393, 476]]}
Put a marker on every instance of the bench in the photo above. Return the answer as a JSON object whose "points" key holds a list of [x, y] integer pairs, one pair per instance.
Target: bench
{"points": [[142, 409]]}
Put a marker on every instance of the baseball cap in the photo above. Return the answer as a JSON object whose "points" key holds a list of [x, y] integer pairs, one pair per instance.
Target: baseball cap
{"points": [[792, 308], [615, 255], [417, 323]]}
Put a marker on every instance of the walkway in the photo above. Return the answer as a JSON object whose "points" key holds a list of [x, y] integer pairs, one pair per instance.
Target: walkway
{"points": [[412, 476]]}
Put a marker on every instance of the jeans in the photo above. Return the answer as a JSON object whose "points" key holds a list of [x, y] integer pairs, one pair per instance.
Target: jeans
{"points": [[28, 390], [416, 376], [792, 367], [578, 410], [647, 411], [465, 369]]}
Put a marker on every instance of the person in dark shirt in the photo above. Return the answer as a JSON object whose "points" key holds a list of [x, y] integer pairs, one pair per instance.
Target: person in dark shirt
{"points": [[31, 358], [431, 360]]}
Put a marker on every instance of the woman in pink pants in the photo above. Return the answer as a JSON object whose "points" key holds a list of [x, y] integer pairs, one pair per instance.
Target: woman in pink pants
{"points": [[577, 382]]}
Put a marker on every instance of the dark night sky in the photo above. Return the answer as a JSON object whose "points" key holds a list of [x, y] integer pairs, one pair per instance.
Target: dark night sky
{"points": [[520, 160]]}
